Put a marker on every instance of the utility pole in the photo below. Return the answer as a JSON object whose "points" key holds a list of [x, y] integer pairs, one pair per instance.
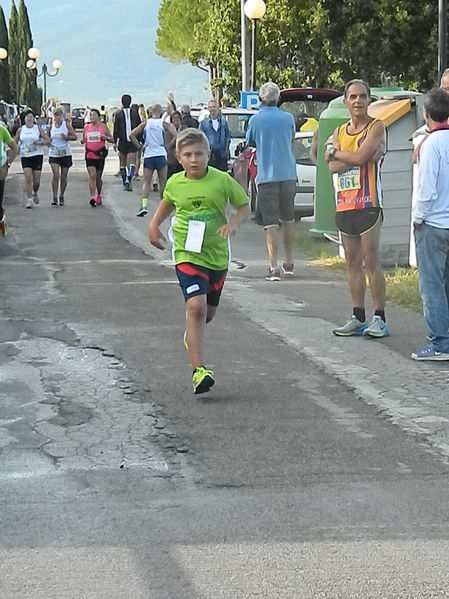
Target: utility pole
{"points": [[245, 47]]}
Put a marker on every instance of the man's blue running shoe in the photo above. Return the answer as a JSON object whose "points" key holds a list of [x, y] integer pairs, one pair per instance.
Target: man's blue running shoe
{"points": [[377, 328], [354, 327]]}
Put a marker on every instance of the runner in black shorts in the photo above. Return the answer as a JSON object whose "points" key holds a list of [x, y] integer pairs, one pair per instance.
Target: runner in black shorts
{"points": [[125, 121], [355, 158]]}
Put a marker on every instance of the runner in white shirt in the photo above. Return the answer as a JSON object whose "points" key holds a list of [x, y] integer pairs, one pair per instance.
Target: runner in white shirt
{"points": [[30, 139], [155, 153], [60, 153]]}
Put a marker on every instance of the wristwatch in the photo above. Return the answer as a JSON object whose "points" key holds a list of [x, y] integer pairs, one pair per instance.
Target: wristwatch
{"points": [[331, 153]]}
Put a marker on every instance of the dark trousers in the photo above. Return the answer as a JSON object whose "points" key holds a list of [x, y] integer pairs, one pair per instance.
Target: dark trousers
{"points": [[218, 161]]}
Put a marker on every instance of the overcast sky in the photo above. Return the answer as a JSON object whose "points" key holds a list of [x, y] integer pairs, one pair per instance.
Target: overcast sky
{"points": [[107, 49]]}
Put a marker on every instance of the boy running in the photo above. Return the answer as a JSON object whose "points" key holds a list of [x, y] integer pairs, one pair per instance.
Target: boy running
{"points": [[201, 247]]}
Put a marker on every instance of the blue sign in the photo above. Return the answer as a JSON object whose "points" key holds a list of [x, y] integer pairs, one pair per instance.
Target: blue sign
{"points": [[250, 100]]}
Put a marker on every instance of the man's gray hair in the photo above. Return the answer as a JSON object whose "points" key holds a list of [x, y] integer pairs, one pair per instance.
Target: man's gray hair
{"points": [[269, 93], [185, 109]]}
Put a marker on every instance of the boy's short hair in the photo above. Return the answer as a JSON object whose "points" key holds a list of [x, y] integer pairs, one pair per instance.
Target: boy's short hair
{"points": [[436, 104], [191, 136]]}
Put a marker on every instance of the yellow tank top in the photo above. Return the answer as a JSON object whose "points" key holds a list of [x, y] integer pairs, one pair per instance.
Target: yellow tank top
{"points": [[358, 187]]}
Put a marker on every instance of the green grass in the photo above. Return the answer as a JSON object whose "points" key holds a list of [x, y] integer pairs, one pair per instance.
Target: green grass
{"points": [[402, 283]]}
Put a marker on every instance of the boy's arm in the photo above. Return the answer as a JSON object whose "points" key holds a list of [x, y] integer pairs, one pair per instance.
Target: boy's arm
{"points": [[154, 233], [236, 220]]}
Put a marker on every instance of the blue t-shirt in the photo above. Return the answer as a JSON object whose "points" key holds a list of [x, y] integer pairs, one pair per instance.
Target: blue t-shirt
{"points": [[273, 130]]}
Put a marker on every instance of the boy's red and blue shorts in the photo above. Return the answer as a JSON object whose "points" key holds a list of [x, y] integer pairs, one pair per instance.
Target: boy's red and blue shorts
{"points": [[199, 280]]}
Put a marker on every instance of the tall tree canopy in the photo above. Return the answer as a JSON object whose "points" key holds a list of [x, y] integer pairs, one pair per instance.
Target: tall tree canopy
{"points": [[4, 71], [300, 42]]}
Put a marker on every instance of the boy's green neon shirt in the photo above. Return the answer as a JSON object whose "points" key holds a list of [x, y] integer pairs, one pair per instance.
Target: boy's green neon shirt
{"points": [[5, 137], [205, 200]]}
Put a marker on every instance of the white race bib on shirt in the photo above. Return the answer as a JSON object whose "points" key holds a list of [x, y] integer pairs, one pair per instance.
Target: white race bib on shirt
{"points": [[195, 236]]}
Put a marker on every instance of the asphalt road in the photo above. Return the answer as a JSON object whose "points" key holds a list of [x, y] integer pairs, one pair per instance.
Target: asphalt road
{"points": [[316, 467]]}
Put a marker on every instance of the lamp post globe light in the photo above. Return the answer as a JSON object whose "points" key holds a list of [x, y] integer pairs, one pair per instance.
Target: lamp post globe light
{"points": [[3, 53], [254, 10], [33, 54]]}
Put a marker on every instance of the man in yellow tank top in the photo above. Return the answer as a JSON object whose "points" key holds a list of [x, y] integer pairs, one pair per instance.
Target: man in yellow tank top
{"points": [[354, 160]]}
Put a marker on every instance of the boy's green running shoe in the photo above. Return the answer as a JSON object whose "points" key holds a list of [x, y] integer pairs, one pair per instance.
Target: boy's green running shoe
{"points": [[202, 380]]}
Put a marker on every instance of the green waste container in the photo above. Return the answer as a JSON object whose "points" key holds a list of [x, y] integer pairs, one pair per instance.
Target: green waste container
{"points": [[335, 114]]}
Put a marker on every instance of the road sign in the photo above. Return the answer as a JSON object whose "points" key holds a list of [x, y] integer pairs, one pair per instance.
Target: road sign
{"points": [[250, 100]]}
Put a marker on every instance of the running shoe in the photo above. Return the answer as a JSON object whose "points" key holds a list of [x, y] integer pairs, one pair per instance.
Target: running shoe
{"points": [[130, 186], [54, 202], [98, 200], [353, 328], [126, 186], [428, 352], [30, 203], [202, 380], [288, 269], [61, 200], [273, 274], [143, 211], [3, 227], [93, 203], [376, 328], [35, 198], [155, 187]]}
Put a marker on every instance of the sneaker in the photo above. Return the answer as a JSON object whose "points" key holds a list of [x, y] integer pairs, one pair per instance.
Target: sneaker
{"points": [[155, 187], [428, 352], [30, 203], [130, 186], [54, 202], [35, 198], [376, 328], [274, 274], [353, 328], [93, 203], [185, 341], [202, 380], [142, 212], [126, 186], [288, 269], [3, 227], [98, 200], [61, 200]]}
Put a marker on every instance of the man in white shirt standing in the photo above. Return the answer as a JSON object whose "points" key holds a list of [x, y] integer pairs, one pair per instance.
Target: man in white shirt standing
{"points": [[431, 226]]}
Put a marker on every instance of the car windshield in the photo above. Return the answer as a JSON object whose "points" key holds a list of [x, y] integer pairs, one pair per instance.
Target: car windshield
{"points": [[301, 149], [238, 124], [303, 109]]}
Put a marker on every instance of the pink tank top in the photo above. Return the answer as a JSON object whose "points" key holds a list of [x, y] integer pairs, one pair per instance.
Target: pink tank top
{"points": [[92, 136]]}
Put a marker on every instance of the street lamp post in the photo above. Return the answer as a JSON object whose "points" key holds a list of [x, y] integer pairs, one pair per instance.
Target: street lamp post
{"points": [[57, 64], [254, 10]]}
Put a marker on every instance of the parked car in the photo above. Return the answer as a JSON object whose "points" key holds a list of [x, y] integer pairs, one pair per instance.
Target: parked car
{"points": [[306, 106], [77, 116]]}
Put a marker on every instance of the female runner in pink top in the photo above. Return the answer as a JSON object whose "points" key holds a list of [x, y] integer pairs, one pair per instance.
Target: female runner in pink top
{"points": [[95, 135]]}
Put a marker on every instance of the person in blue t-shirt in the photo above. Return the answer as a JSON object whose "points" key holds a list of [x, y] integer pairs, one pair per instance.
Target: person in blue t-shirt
{"points": [[272, 131], [216, 129]]}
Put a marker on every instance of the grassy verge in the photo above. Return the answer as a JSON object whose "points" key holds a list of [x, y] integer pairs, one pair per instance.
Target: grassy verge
{"points": [[402, 283]]}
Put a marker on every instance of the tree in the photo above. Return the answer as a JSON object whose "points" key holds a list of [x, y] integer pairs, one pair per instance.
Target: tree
{"points": [[307, 42], [5, 92], [13, 52], [29, 91]]}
